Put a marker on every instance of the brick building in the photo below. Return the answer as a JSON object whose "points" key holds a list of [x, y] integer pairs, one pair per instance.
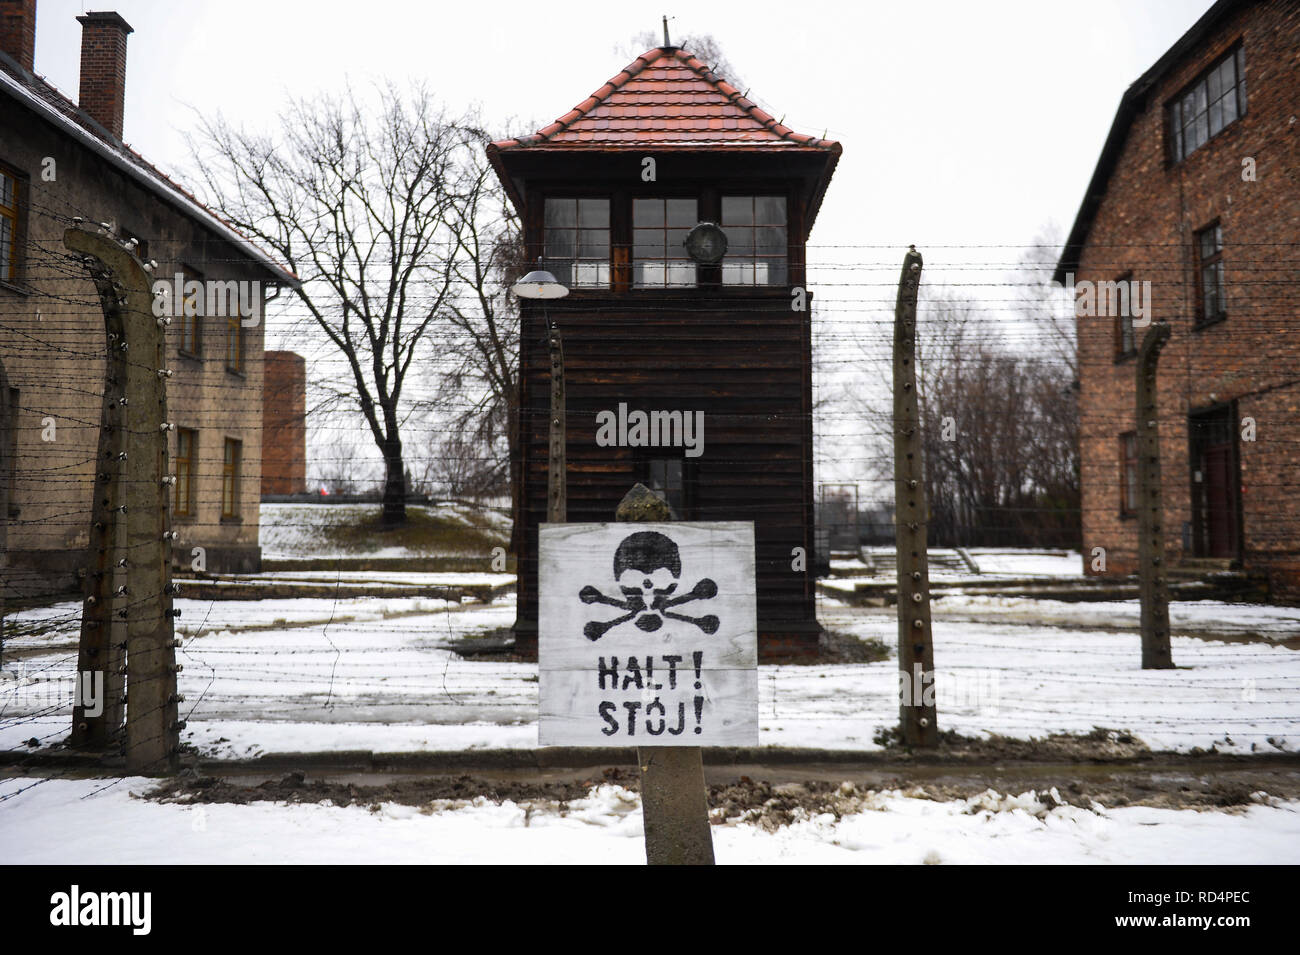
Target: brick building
{"points": [[60, 160], [284, 423], [1197, 192]]}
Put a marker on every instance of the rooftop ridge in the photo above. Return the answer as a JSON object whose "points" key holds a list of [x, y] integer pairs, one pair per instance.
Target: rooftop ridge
{"points": [[778, 133]]}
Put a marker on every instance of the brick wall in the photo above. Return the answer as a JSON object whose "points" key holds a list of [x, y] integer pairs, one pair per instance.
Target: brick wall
{"points": [[18, 30], [284, 423], [54, 345], [103, 68], [1250, 362]]}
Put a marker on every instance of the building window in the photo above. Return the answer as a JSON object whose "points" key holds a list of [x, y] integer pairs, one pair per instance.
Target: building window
{"points": [[1204, 109], [11, 191], [1125, 336], [577, 241], [666, 477], [659, 228], [1209, 270], [1128, 489], [230, 478], [235, 344], [756, 240], [186, 444], [191, 338]]}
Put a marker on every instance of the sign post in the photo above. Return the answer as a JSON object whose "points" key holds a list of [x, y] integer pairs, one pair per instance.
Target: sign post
{"points": [[648, 637]]}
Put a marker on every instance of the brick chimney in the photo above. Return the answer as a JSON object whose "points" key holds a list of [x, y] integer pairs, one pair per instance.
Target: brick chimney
{"points": [[103, 68], [18, 31]]}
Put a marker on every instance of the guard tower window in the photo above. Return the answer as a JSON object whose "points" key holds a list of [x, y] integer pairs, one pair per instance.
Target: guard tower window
{"points": [[577, 241], [756, 240], [659, 228], [667, 478]]}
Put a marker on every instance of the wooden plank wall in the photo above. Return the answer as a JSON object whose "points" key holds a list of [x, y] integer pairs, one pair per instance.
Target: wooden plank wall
{"points": [[745, 361]]}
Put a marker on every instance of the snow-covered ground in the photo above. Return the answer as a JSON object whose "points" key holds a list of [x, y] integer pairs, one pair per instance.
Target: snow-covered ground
{"points": [[390, 577], [318, 675], [291, 530], [369, 674], [1200, 616], [994, 564], [84, 822], [1027, 563], [294, 530]]}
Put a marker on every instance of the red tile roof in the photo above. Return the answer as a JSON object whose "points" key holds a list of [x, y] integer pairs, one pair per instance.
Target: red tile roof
{"points": [[669, 99]]}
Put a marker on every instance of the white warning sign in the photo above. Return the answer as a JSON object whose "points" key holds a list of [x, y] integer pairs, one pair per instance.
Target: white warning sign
{"points": [[647, 634]]}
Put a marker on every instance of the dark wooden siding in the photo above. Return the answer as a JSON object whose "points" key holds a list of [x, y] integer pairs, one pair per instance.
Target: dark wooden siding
{"points": [[743, 357]]}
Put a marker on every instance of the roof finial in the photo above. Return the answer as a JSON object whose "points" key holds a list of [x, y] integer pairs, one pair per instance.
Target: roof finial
{"points": [[667, 43]]}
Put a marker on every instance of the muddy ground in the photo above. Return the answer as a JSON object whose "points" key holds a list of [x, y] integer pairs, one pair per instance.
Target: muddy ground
{"points": [[766, 803], [1104, 769]]}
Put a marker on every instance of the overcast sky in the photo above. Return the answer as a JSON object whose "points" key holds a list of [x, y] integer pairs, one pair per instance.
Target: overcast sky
{"points": [[964, 124]]}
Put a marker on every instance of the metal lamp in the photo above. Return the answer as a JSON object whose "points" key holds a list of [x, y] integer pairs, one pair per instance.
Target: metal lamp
{"points": [[540, 284]]}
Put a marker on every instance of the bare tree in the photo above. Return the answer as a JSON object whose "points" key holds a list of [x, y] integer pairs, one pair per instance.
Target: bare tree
{"points": [[459, 470], [483, 322], [356, 203], [1042, 302], [999, 419], [1000, 434]]}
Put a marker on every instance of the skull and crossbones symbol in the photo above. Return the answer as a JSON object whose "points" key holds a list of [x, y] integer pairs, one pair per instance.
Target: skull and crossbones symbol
{"points": [[648, 568]]}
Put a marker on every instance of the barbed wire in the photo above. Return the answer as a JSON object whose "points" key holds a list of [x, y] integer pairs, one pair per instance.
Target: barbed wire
{"points": [[57, 319]]}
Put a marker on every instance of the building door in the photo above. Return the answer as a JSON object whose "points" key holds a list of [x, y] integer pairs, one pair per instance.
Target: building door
{"points": [[1216, 485]]}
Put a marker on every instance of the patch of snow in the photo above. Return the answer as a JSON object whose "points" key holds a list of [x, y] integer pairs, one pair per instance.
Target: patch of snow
{"points": [[294, 530], [89, 822]]}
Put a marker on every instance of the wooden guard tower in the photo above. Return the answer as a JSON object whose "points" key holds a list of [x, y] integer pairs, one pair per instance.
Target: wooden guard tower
{"points": [[687, 368]]}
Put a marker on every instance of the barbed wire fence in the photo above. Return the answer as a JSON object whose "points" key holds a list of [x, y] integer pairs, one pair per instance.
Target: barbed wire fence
{"points": [[365, 659]]}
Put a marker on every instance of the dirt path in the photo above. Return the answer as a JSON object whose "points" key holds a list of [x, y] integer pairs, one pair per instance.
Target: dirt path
{"points": [[771, 796]]}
